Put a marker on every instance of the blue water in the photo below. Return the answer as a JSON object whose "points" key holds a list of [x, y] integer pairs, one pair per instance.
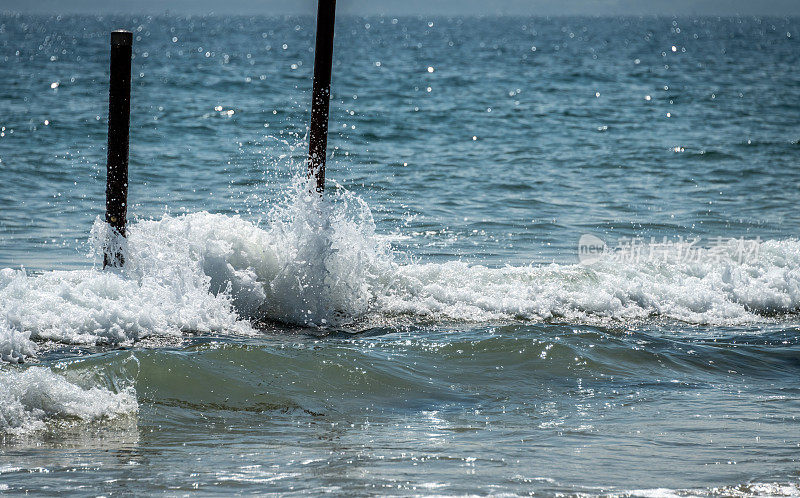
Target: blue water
{"points": [[448, 341]]}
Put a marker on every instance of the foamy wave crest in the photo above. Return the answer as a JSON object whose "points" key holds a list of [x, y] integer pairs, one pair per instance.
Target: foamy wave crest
{"points": [[318, 262], [92, 306], [722, 290], [35, 396], [15, 345], [156, 294]]}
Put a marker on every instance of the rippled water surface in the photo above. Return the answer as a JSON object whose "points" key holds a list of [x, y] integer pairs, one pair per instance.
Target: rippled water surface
{"points": [[426, 328]]}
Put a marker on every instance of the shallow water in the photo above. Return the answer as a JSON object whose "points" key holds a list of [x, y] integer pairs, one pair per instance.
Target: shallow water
{"points": [[426, 329]]}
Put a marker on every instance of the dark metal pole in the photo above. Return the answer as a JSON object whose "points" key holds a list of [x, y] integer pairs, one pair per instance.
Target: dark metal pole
{"points": [[320, 103], [119, 113]]}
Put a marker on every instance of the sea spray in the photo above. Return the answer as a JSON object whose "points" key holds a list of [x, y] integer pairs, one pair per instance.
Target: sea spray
{"points": [[317, 262], [331, 266], [479, 394]]}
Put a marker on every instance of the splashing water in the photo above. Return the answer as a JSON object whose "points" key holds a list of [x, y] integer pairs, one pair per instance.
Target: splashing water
{"points": [[318, 262], [33, 396], [659, 376]]}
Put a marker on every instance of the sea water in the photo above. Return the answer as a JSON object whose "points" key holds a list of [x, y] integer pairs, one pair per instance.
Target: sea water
{"points": [[554, 256]]}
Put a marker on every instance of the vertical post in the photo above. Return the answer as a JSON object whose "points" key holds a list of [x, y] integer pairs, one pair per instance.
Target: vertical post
{"points": [[119, 113], [321, 94]]}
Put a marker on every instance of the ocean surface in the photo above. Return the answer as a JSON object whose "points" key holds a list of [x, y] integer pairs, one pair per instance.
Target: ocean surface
{"points": [[555, 256]]}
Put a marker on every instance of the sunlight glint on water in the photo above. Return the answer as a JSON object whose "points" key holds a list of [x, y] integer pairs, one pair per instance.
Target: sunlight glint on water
{"points": [[426, 328]]}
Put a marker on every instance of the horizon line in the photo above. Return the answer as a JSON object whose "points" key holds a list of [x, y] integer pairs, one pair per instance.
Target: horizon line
{"points": [[181, 13]]}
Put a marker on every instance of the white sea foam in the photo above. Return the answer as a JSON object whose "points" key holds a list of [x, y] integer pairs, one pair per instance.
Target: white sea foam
{"points": [[91, 306], [719, 291], [15, 345], [36, 395], [319, 262], [315, 262]]}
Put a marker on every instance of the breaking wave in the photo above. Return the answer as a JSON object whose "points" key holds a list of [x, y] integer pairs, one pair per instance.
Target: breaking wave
{"points": [[35, 396], [318, 262]]}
